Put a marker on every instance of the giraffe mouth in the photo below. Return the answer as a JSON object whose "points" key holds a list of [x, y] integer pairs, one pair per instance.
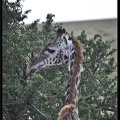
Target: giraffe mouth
{"points": [[34, 69]]}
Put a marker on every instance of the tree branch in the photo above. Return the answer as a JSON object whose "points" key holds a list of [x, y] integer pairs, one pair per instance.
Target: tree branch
{"points": [[108, 109], [37, 110], [8, 117]]}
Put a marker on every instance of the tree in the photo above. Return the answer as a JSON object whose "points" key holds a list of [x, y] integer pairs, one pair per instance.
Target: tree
{"points": [[98, 89], [42, 95]]}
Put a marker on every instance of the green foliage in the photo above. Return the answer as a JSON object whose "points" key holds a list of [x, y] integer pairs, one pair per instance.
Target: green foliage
{"points": [[43, 94], [98, 89]]}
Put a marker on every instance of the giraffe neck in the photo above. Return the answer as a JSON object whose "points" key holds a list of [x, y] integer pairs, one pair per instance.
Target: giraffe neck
{"points": [[70, 110], [74, 80]]}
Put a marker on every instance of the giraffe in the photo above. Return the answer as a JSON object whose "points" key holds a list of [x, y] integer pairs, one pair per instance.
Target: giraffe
{"points": [[62, 51], [70, 110]]}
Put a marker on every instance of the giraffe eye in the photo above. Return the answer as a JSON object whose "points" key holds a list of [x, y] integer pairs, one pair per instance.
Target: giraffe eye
{"points": [[50, 50]]}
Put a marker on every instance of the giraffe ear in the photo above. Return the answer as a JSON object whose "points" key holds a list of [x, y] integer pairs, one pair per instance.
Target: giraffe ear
{"points": [[71, 36]]}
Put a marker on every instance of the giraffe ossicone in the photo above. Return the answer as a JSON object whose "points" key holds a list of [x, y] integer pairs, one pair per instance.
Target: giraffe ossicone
{"points": [[63, 51]]}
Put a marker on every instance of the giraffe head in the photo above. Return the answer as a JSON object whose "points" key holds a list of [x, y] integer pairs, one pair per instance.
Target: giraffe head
{"points": [[55, 53]]}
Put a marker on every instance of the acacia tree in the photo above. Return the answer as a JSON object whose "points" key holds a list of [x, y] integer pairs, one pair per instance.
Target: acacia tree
{"points": [[42, 95], [98, 89]]}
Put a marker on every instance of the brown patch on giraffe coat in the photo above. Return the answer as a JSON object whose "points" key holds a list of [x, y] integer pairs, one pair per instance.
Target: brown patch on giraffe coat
{"points": [[76, 69]]}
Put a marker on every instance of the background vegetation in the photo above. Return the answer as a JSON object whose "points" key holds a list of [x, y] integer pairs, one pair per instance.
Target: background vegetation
{"points": [[42, 96]]}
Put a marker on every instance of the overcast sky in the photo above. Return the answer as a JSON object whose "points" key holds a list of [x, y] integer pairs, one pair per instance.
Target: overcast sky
{"points": [[70, 10]]}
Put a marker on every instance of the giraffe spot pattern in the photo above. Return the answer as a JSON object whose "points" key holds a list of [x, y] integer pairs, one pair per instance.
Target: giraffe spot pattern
{"points": [[71, 64], [54, 59], [65, 57], [66, 62], [67, 99], [73, 55], [71, 72], [77, 79], [65, 40]]}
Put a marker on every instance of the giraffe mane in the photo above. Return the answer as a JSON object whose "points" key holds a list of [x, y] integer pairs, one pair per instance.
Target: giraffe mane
{"points": [[78, 49], [79, 55]]}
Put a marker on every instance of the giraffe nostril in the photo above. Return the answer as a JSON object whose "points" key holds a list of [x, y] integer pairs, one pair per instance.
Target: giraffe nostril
{"points": [[32, 71]]}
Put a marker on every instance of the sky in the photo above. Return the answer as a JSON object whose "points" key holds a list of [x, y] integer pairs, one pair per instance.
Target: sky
{"points": [[70, 10]]}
